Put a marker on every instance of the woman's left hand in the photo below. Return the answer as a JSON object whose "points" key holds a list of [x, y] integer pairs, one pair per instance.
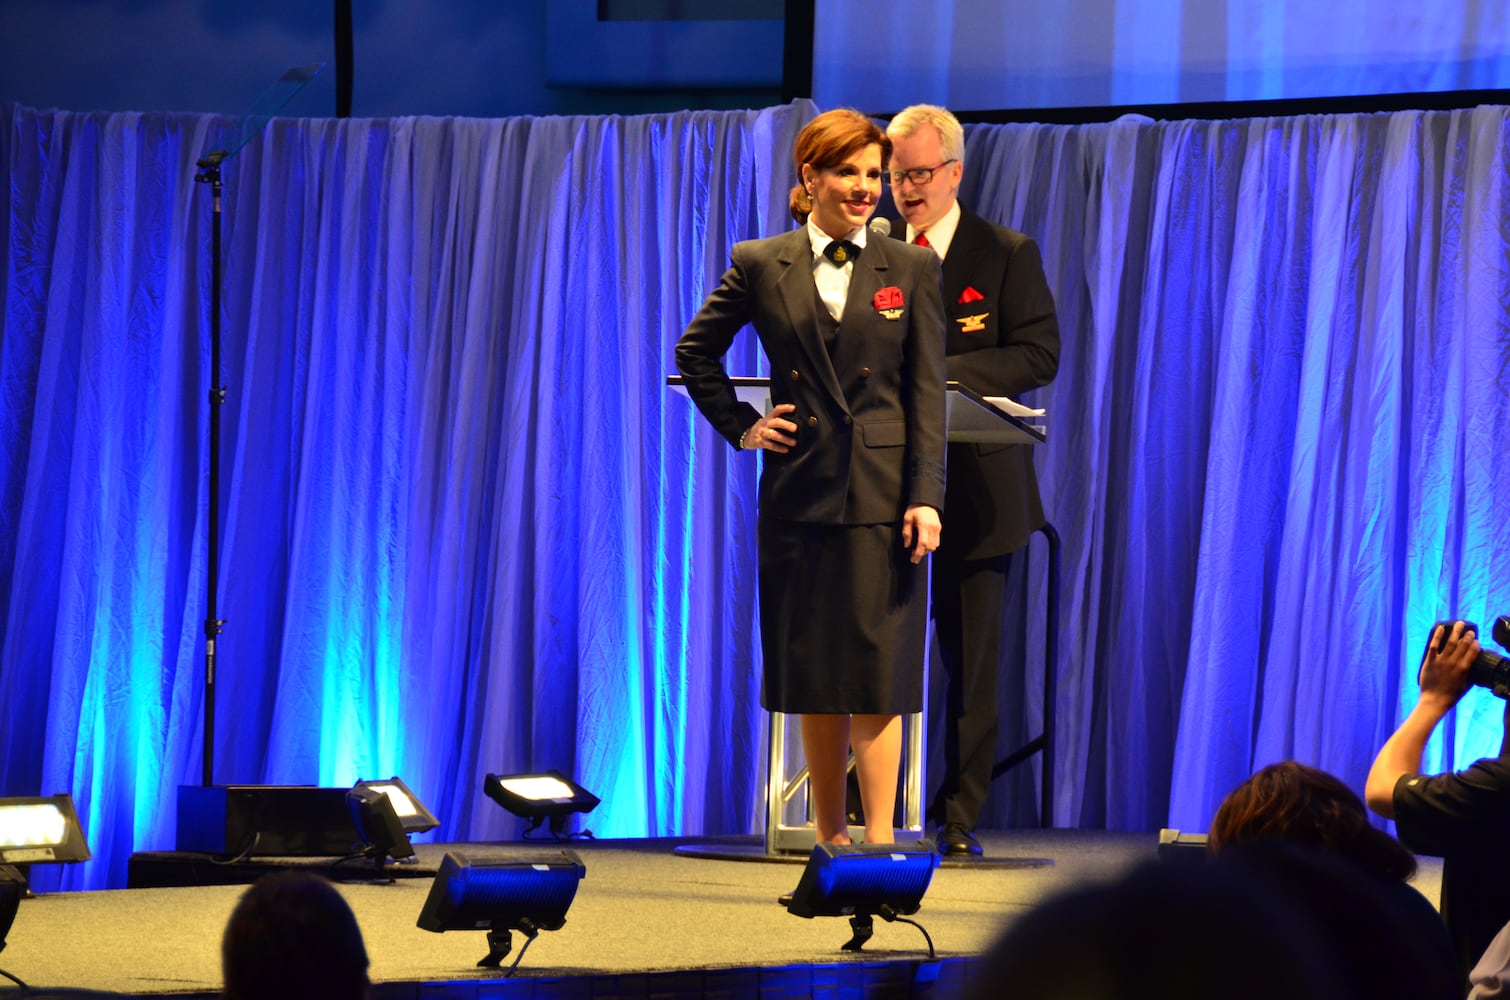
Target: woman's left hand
{"points": [[920, 530]]}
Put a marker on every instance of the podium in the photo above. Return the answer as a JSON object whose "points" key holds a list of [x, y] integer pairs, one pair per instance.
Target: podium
{"points": [[971, 417]]}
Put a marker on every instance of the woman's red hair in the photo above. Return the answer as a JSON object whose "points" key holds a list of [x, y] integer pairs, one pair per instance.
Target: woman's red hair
{"points": [[827, 141]]}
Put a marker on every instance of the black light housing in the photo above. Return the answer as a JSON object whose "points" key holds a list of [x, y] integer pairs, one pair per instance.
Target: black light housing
{"points": [[528, 893], [412, 813], [12, 888], [864, 880], [549, 795], [40, 830], [378, 825]]}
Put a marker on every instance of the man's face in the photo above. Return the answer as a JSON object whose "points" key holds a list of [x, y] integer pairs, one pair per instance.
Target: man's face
{"points": [[923, 204]]}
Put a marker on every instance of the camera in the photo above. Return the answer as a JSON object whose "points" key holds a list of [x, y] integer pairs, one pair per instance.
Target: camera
{"points": [[1490, 670]]}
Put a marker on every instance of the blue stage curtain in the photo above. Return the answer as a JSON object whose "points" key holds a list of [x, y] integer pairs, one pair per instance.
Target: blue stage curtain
{"points": [[1278, 441], [467, 528], [460, 529]]}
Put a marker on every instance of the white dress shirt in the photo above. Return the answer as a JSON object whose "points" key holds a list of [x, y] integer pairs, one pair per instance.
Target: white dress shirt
{"points": [[832, 281], [941, 233]]}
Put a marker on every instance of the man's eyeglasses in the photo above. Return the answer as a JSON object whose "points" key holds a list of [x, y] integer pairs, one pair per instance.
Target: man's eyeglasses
{"points": [[918, 175]]}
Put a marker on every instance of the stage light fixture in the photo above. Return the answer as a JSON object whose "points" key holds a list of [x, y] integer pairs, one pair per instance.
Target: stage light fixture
{"points": [[860, 881], [411, 811], [378, 826], [40, 830], [528, 893], [549, 796]]}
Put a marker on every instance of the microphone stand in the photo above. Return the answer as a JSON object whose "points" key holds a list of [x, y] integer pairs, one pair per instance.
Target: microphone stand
{"points": [[208, 167], [209, 173]]}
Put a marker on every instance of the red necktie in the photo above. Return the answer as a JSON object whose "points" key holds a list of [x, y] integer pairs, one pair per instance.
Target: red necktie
{"points": [[921, 239]]}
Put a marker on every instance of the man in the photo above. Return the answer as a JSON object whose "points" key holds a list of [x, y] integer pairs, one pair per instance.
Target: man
{"points": [[1462, 817], [1002, 340]]}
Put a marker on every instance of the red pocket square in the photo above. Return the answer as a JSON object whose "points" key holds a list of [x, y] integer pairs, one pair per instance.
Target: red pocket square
{"points": [[969, 295], [889, 297]]}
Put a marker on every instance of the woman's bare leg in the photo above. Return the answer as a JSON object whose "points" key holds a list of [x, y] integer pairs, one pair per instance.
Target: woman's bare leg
{"points": [[825, 743], [878, 760]]}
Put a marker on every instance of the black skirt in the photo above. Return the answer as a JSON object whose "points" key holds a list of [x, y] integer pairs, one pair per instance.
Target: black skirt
{"points": [[843, 619]]}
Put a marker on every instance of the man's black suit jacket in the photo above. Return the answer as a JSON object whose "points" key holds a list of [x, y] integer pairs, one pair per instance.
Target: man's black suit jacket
{"points": [[1003, 339], [870, 439]]}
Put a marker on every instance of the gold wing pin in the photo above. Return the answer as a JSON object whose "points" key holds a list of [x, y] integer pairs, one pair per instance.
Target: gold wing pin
{"points": [[972, 324]]}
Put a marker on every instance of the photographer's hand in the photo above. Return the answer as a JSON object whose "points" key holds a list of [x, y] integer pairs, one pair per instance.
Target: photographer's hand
{"points": [[1443, 679], [1444, 669]]}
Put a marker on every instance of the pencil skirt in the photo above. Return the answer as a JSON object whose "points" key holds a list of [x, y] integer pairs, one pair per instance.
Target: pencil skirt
{"points": [[843, 619]]}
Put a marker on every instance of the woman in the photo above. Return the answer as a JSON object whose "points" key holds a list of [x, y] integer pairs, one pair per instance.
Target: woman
{"points": [[853, 478], [1307, 833], [1301, 804]]}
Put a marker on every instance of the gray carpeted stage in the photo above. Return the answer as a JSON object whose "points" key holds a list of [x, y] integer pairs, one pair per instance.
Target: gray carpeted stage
{"points": [[646, 922]]}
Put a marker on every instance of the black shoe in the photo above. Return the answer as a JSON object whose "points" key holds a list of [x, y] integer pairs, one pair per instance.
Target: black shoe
{"points": [[954, 841], [785, 900]]}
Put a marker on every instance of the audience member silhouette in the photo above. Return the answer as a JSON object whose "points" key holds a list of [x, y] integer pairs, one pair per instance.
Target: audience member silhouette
{"points": [[1300, 897], [1294, 803], [293, 937], [1172, 931], [1388, 940]]}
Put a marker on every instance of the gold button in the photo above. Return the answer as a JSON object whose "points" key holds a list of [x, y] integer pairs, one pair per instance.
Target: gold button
{"points": [[865, 373], [796, 375], [848, 419], [812, 421]]}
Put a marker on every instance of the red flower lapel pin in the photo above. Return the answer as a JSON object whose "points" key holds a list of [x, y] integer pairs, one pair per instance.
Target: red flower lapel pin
{"points": [[969, 295], [888, 302]]}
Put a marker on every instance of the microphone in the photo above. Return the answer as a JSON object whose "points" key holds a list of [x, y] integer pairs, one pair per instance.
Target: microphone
{"points": [[880, 225]]}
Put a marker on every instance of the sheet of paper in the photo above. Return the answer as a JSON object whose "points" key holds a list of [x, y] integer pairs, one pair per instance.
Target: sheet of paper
{"points": [[1013, 407]]}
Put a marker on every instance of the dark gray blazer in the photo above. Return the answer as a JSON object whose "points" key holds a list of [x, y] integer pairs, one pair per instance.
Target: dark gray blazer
{"points": [[871, 417]]}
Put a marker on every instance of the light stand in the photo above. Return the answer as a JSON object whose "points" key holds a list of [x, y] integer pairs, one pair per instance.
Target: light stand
{"points": [[501, 942]]}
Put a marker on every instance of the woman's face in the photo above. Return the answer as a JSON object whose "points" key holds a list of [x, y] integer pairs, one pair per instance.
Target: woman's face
{"points": [[845, 196]]}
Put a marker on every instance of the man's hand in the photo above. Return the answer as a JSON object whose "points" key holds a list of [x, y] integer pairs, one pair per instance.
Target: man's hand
{"points": [[1443, 679], [1444, 669]]}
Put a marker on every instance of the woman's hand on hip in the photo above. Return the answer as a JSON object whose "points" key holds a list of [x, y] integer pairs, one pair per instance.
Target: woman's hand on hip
{"points": [[775, 431]]}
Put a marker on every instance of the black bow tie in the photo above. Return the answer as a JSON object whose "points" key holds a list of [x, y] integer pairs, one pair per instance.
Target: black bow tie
{"points": [[841, 252]]}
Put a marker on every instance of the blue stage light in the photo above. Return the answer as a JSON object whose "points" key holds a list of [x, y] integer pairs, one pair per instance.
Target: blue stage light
{"points": [[864, 880], [528, 892]]}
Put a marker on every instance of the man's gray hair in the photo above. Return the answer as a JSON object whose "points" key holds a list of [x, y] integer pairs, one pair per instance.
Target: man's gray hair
{"points": [[951, 132]]}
